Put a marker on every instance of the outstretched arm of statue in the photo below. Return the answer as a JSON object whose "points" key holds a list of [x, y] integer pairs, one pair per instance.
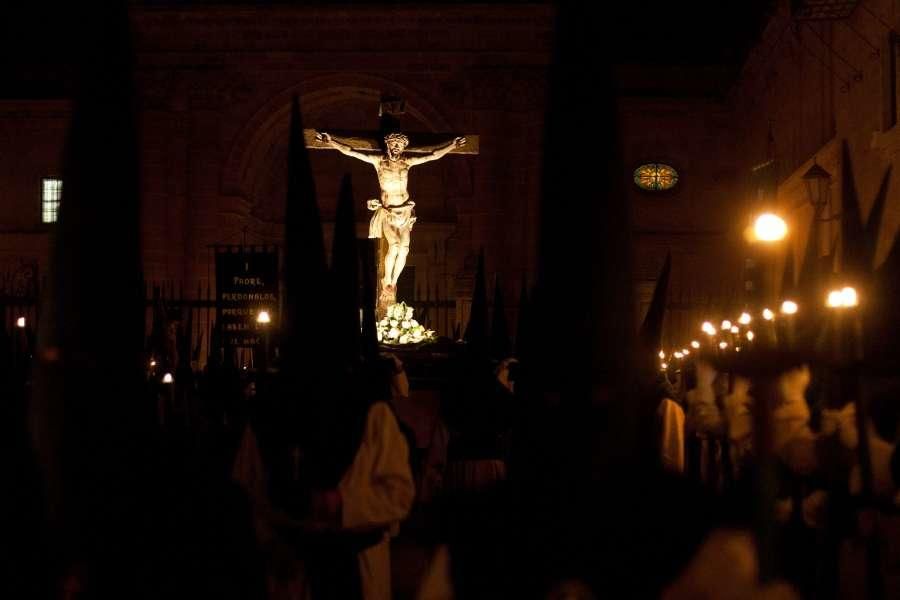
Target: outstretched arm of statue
{"points": [[346, 148], [437, 153]]}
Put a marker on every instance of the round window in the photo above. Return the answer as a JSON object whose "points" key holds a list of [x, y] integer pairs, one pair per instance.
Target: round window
{"points": [[655, 177]]}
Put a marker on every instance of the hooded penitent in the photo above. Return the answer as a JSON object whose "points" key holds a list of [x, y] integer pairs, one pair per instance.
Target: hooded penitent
{"points": [[477, 335], [650, 335], [345, 280], [500, 344], [90, 419]]}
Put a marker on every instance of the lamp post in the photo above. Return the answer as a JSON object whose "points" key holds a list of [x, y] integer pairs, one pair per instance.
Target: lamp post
{"points": [[818, 187]]}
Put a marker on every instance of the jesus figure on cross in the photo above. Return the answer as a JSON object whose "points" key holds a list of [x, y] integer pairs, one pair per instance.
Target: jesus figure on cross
{"points": [[394, 212]]}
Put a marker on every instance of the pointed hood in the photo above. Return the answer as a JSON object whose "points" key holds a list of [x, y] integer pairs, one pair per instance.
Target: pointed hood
{"points": [[522, 324], [305, 268], [885, 310], [345, 278], [476, 336], [156, 345], [651, 330], [198, 342], [368, 272], [500, 344], [854, 245], [185, 329], [809, 276], [876, 217], [215, 358], [89, 386], [788, 281], [584, 253]]}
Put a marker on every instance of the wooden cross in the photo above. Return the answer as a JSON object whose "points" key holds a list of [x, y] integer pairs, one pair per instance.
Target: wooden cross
{"points": [[372, 142], [389, 111]]}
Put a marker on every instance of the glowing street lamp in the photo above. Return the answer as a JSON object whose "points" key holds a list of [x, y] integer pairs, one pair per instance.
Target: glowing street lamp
{"points": [[789, 307], [769, 227]]}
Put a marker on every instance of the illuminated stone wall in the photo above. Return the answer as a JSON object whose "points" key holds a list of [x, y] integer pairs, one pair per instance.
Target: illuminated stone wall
{"points": [[215, 85], [818, 85]]}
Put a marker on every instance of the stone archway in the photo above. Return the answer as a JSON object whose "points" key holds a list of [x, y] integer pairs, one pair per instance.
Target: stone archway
{"points": [[255, 173], [255, 169]]}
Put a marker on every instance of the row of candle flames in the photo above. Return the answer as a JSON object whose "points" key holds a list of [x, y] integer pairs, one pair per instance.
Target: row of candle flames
{"points": [[843, 298], [767, 228]]}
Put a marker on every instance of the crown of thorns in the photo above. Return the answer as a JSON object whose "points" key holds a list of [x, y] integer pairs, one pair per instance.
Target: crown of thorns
{"points": [[397, 137]]}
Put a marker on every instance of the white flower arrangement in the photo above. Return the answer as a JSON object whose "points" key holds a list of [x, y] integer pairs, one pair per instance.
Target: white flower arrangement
{"points": [[398, 327]]}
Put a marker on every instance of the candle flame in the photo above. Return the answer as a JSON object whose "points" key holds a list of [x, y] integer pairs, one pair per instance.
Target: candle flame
{"points": [[843, 298], [789, 307]]}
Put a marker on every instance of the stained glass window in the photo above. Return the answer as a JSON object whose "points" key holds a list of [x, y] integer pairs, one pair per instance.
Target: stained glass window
{"points": [[51, 194], [655, 177]]}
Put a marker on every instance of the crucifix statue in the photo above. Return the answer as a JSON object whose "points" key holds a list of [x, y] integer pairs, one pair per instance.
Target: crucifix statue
{"points": [[394, 212]]}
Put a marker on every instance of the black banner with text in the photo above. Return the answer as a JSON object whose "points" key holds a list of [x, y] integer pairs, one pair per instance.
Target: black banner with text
{"points": [[246, 283]]}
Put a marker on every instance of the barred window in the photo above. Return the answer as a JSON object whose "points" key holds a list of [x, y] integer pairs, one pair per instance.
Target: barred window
{"points": [[51, 194]]}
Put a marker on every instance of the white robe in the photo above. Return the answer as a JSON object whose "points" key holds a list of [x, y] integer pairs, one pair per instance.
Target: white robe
{"points": [[378, 490], [671, 443]]}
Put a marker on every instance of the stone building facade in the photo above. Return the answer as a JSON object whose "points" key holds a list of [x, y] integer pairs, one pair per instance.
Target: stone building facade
{"points": [[215, 84], [808, 87]]}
